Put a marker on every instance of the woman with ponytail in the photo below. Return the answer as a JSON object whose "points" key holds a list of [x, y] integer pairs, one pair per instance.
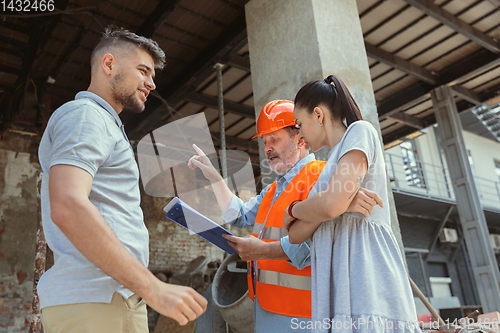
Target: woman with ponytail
{"points": [[359, 281]]}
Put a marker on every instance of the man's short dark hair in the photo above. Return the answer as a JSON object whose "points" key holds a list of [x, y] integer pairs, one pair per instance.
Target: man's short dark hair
{"points": [[292, 131], [119, 38]]}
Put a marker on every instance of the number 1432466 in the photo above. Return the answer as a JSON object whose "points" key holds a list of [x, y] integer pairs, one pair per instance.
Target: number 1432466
{"points": [[27, 5]]}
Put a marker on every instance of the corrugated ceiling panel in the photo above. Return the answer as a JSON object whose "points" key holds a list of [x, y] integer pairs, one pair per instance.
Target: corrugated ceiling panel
{"points": [[229, 119], [423, 43], [456, 6], [408, 35], [454, 56], [209, 79], [249, 101], [211, 115], [363, 5], [419, 108], [380, 13], [438, 50], [248, 133], [392, 128], [386, 79], [188, 22], [216, 10], [386, 92], [476, 12], [240, 92], [245, 123], [477, 83], [392, 26], [386, 122], [187, 110], [490, 23], [379, 69], [228, 79]]}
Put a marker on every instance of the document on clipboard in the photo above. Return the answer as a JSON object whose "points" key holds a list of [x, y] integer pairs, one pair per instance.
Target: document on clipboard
{"points": [[186, 216]]}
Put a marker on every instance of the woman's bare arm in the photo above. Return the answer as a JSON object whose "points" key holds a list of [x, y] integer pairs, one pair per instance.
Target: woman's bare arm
{"points": [[326, 205]]}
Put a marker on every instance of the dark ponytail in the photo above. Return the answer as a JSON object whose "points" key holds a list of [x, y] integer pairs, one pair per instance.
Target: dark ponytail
{"points": [[332, 93]]}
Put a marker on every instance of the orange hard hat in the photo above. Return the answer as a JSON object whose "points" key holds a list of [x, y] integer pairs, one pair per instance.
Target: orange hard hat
{"points": [[275, 115]]}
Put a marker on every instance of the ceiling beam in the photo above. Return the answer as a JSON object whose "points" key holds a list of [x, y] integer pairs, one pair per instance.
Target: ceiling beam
{"points": [[403, 99], [233, 142], [240, 62], [229, 106], [450, 20], [461, 70], [466, 94], [154, 21], [407, 130], [462, 106], [401, 64], [407, 120], [5, 68]]}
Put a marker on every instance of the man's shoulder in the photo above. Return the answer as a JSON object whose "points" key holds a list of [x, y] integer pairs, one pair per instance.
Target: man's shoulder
{"points": [[78, 108]]}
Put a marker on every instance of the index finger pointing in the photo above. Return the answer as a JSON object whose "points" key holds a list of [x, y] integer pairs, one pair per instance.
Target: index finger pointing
{"points": [[198, 150]]}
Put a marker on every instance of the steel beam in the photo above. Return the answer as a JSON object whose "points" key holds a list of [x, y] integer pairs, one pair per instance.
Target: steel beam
{"points": [[211, 102], [473, 221], [467, 95], [457, 72], [430, 120], [450, 20], [407, 120], [438, 231], [401, 64], [154, 21], [240, 62], [234, 142]]}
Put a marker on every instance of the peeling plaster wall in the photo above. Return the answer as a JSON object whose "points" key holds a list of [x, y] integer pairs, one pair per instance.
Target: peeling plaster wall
{"points": [[18, 223]]}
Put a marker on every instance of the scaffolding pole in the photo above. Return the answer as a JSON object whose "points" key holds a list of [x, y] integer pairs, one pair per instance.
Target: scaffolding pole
{"points": [[220, 97]]}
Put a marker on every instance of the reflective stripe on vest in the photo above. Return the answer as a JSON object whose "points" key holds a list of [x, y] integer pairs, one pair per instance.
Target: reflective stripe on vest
{"points": [[284, 280], [257, 227], [280, 287], [274, 233]]}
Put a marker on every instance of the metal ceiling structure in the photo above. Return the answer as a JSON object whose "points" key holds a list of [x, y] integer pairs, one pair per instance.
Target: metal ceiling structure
{"points": [[413, 46]]}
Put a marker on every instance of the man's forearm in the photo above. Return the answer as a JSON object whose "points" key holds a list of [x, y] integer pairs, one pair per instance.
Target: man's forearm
{"points": [[275, 252], [222, 193]]}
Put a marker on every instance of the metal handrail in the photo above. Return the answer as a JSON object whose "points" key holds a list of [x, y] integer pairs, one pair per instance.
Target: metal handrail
{"points": [[436, 180]]}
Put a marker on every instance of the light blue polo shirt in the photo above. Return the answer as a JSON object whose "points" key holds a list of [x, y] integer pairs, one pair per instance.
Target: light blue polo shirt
{"points": [[87, 133]]}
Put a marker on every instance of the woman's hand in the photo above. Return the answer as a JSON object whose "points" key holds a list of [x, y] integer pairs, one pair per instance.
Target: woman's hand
{"points": [[364, 201], [203, 162], [288, 221]]}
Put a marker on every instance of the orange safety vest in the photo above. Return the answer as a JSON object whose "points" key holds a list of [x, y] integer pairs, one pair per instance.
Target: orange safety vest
{"points": [[280, 287]]}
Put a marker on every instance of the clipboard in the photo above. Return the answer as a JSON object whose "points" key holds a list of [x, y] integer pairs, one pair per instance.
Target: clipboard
{"points": [[187, 217]]}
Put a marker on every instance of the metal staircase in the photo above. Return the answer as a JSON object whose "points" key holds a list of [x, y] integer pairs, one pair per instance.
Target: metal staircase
{"points": [[490, 117]]}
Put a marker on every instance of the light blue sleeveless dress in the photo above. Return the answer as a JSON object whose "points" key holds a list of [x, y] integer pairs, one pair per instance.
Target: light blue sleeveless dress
{"points": [[359, 281]]}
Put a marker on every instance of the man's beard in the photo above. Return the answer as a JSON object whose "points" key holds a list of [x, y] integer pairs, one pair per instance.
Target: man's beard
{"points": [[289, 157], [130, 102]]}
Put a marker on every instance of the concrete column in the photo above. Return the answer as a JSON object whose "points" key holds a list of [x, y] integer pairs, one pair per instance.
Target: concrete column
{"points": [[294, 42], [473, 221]]}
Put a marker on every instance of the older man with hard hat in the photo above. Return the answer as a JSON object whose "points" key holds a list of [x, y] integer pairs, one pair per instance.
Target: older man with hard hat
{"points": [[279, 279]]}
